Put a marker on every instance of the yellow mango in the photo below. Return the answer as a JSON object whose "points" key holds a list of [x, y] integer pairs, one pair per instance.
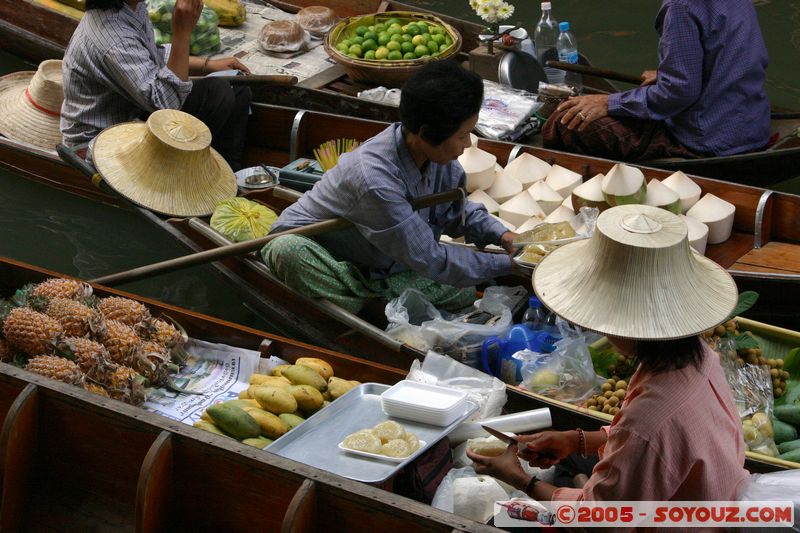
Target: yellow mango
{"points": [[242, 403], [264, 379], [278, 370], [308, 398], [271, 426], [305, 375], [323, 368], [339, 387], [205, 416], [258, 442], [209, 426], [244, 395], [273, 399], [234, 421]]}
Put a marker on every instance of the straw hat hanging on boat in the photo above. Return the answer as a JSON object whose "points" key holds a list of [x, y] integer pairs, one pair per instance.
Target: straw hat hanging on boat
{"points": [[165, 164], [636, 278], [30, 105]]}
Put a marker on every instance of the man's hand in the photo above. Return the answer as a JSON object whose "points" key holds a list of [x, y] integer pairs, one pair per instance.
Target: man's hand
{"points": [[648, 77], [548, 447], [505, 467], [583, 110], [507, 241], [184, 17], [226, 63]]}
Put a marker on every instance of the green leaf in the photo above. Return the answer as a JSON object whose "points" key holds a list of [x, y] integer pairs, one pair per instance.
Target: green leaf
{"points": [[746, 341], [747, 299], [602, 358], [791, 363], [792, 394]]}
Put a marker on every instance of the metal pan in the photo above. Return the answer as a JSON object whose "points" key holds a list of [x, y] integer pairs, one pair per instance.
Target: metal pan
{"points": [[520, 70]]}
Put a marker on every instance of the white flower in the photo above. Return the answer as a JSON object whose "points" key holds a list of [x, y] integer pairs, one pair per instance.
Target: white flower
{"points": [[505, 11], [473, 4]]}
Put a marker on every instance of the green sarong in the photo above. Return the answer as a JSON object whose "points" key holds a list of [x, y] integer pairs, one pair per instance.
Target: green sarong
{"points": [[307, 267]]}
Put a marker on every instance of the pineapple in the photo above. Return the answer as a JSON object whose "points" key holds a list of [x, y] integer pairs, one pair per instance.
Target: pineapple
{"points": [[73, 316], [31, 331], [120, 340], [166, 334], [57, 368], [126, 385], [153, 363], [91, 356], [62, 288], [96, 389], [129, 312]]}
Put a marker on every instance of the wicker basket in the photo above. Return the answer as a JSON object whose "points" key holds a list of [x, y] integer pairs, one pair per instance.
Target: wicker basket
{"points": [[388, 73]]}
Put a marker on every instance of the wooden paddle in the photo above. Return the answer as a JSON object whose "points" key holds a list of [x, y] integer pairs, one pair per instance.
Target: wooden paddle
{"points": [[599, 72], [240, 248], [254, 79]]}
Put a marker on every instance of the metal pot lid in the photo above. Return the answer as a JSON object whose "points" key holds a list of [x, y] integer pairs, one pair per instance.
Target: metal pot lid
{"points": [[521, 70]]}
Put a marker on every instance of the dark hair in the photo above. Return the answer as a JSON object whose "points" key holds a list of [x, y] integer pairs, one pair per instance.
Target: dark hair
{"points": [[104, 4], [438, 99], [663, 356]]}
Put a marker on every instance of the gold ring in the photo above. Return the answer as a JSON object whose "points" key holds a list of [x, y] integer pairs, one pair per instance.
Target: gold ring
{"points": [[580, 114]]}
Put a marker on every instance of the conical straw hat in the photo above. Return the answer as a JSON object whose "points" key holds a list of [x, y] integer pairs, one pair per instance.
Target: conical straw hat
{"points": [[165, 164], [636, 278], [30, 105]]}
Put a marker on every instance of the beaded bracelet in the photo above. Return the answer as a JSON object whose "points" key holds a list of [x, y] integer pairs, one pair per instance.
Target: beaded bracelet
{"points": [[581, 443], [205, 66]]}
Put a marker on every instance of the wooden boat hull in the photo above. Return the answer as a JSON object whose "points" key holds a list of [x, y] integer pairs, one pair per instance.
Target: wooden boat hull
{"points": [[68, 456]]}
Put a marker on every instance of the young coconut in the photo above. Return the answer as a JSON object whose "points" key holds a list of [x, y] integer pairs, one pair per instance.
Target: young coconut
{"points": [[589, 194], [562, 214], [480, 197], [568, 203], [698, 234], [520, 208], [504, 188], [688, 191], [527, 169], [563, 180], [479, 167], [659, 195], [624, 185], [530, 224], [715, 213], [473, 140], [509, 226], [545, 196]]}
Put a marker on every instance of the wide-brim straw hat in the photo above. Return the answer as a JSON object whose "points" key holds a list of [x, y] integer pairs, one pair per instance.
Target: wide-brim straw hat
{"points": [[165, 164], [636, 278], [30, 105]]}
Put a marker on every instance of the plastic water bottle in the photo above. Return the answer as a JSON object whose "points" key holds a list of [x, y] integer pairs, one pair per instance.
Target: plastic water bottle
{"points": [[538, 317], [544, 38], [567, 47]]}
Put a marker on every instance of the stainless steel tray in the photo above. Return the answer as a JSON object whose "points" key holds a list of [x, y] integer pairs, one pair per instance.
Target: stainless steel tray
{"points": [[315, 442]]}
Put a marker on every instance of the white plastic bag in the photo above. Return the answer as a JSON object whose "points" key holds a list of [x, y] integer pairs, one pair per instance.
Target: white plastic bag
{"points": [[775, 486], [504, 110], [445, 497]]}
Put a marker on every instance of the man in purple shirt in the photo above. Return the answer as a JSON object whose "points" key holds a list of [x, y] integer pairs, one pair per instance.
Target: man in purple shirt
{"points": [[707, 97]]}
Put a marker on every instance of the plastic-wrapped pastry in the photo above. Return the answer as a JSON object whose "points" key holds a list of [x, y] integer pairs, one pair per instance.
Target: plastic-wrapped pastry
{"points": [[396, 448], [282, 36], [363, 441], [317, 20]]}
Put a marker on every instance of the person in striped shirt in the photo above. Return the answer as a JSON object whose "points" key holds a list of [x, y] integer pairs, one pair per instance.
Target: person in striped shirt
{"points": [[114, 72]]}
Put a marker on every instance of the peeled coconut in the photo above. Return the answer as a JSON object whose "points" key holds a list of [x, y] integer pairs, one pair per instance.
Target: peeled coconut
{"points": [[530, 224], [473, 140], [589, 194], [688, 191], [698, 234], [562, 214], [527, 169], [520, 208], [563, 180], [624, 184], [504, 188], [715, 213], [506, 223], [480, 197], [659, 195], [545, 196], [479, 166]]}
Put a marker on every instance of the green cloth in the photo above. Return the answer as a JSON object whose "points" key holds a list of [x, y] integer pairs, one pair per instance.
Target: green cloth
{"points": [[307, 267]]}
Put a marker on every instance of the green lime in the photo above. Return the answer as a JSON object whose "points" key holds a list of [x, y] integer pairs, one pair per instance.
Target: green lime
{"points": [[448, 41], [392, 22], [406, 47], [354, 56], [438, 38], [412, 29], [436, 54], [371, 35], [369, 54], [380, 28], [421, 50], [384, 38], [346, 42], [393, 46], [435, 30], [357, 40], [394, 28], [396, 38], [369, 44], [370, 28], [433, 47], [394, 55], [405, 38], [409, 55], [419, 40], [426, 35], [343, 48], [361, 30], [381, 53], [356, 49], [423, 28]]}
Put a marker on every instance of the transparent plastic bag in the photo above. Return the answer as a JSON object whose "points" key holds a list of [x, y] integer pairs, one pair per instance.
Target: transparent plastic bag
{"points": [[566, 374], [504, 110], [317, 20], [205, 36], [282, 36], [478, 506]]}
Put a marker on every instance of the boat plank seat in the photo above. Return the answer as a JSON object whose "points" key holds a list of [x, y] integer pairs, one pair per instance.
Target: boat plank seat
{"points": [[778, 257], [302, 512]]}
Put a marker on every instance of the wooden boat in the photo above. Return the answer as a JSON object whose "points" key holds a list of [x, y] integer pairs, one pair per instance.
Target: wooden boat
{"points": [[78, 460]]}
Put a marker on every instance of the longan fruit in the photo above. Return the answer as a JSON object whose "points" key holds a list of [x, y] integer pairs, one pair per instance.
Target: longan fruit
{"points": [[779, 362], [621, 384], [608, 386], [591, 402], [785, 374], [620, 394], [719, 331], [607, 409], [613, 411], [774, 373], [613, 401], [601, 401], [778, 392]]}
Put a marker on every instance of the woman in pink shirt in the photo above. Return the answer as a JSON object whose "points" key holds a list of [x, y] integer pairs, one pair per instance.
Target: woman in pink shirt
{"points": [[678, 434]]}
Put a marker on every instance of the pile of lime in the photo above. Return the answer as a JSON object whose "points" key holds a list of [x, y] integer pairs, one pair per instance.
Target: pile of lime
{"points": [[392, 40]]}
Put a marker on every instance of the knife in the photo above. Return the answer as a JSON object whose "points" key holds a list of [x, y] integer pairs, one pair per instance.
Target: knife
{"points": [[508, 439]]}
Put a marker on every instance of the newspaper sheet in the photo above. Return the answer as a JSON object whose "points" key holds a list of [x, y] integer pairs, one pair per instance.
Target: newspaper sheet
{"points": [[217, 371], [242, 42]]}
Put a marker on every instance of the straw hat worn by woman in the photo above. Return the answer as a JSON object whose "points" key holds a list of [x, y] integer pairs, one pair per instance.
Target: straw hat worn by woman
{"points": [[678, 434], [30, 105]]}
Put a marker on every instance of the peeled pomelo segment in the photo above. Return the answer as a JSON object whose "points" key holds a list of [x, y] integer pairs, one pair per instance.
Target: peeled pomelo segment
{"points": [[715, 213], [688, 191], [589, 194], [480, 197], [527, 169], [520, 208], [545, 196], [624, 185], [698, 234], [563, 180], [530, 224], [504, 188], [479, 166], [659, 195]]}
